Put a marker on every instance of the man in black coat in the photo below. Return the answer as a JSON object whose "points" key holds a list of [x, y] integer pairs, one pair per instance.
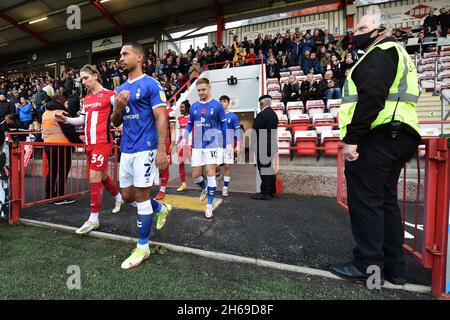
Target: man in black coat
{"points": [[265, 127], [6, 107]]}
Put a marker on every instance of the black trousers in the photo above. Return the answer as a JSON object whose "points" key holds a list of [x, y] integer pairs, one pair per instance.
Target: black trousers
{"points": [[372, 199], [59, 160], [267, 174]]}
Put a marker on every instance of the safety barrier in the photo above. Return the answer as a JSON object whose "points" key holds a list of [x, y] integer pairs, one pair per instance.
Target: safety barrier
{"points": [[37, 169], [426, 219]]}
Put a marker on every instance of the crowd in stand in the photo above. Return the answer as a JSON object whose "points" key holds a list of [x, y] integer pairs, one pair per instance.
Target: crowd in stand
{"points": [[22, 101]]}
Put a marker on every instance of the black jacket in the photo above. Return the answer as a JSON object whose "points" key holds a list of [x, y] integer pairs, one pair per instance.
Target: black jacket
{"points": [[273, 71], [6, 107], [373, 81], [266, 120]]}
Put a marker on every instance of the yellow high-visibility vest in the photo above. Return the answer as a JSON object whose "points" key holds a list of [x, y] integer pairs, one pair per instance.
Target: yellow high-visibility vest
{"points": [[404, 89]]}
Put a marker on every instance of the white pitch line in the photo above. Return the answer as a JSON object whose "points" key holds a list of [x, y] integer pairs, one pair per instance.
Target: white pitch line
{"points": [[222, 256]]}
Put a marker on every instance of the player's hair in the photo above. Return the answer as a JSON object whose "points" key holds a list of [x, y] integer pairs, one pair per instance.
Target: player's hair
{"points": [[202, 81], [88, 68], [224, 97], [187, 105], [138, 47]]}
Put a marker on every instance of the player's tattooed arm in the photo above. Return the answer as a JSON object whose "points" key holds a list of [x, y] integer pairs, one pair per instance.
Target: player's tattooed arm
{"points": [[161, 123], [121, 101]]}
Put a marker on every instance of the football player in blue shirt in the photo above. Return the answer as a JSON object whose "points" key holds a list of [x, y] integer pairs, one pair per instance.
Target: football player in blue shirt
{"points": [[140, 105], [233, 130], [207, 120]]}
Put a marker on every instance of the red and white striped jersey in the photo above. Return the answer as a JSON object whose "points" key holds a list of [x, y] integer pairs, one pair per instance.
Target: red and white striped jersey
{"points": [[97, 108], [182, 123]]}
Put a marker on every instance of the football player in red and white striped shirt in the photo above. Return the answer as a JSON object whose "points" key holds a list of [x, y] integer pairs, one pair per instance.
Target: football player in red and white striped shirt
{"points": [[170, 143], [183, 151], [95, 116]]}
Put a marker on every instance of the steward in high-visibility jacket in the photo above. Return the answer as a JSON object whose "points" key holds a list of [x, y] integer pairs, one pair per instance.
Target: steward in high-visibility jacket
{"points": [[59, 157], [403, 94], [51, 129], [378, 123]]}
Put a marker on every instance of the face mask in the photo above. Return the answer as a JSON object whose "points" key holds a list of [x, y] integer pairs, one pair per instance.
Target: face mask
{"points": [[363, 41]]}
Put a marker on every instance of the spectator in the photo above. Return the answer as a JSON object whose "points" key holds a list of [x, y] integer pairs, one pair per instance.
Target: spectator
{"points": [[250, 59], [191, 51], [325, 62], [347, 64], [308, 44], [318, 39], [106, 77], [24, 111], [116, 74], [150, 69], [291, 90], [311, 64], [336, 67], [330, 86], [273, 70], [309, 89], [295, 50], [328, 38], [49, 89], [347, 40], [266, 44], [444, 21], [431, 22], [284, 63], [152, 55], [40, 100], [6, 107], [258, 43], [195, 67]]}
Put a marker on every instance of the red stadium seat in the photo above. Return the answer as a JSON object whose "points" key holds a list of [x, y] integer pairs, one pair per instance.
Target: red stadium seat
{"points": [[430, 55], [273, 87], [278, 105], [306, 141], [314, 107], [285, 74], [295, 68], [276, 95], [294, 108], [284, 140], [272, 80], [330, 140], [323, 118], [333, 106], [299, 122]]}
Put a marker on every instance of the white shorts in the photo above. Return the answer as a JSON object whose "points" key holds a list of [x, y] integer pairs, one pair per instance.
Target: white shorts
{"points": [[138, 169], [228, 158], [203, 157]]}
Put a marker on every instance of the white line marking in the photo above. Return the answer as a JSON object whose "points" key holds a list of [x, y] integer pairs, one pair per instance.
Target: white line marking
{"points": [[222, 256]]}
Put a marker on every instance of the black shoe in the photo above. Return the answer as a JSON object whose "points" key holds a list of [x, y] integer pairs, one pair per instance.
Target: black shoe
{"points": [[348, 271], [274, 196], [260, 196], [397, 280]]}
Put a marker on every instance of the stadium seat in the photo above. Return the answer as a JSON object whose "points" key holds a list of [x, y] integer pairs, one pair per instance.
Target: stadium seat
{"points": [[425, 68], [430, 55], [299, 122], [284, 140], [273, 87], [294, 108], [279, 113], [276, 95], [330, 140], [278, 105], [426, 61], [445, 53], [323, 118], [297, 73], [333, 106], [285, 74], [284, 80], [305, 142], [318, 77], [314, 106], [427, 133], [301, 78], [272, 80], [295, 68]]}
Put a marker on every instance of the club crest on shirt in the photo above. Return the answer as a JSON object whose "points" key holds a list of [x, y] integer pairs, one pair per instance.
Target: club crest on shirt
{"points": [[100, 95], [203, 111], [212, 111]]}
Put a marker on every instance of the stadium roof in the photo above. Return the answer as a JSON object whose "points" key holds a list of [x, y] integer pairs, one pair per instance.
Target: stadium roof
{"points": [[21, 27]]}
